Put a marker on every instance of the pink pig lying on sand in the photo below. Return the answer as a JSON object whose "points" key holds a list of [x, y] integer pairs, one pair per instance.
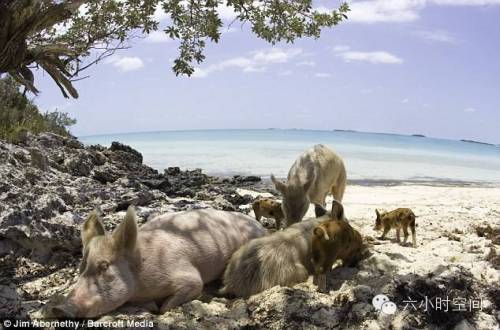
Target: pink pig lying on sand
{"points": [[167, 260]]}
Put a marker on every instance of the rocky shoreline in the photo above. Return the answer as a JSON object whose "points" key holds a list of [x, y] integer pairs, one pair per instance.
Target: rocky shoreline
{"points": [[49, 183]]}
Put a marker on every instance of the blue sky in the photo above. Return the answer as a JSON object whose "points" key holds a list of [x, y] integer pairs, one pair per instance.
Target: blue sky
{"points": [[402, 66]]}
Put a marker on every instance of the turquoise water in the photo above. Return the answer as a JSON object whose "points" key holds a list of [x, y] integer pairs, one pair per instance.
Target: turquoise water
{"points": [[261, 152]]}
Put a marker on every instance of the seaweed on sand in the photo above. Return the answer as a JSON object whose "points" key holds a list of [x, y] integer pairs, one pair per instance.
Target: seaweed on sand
{"points": [[439, 300]]}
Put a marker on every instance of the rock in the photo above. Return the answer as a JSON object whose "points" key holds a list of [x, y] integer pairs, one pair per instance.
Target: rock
{"points": [[360, 310], [79, 164], [172, 171], [134, 198], [133, 154], [10, 302], [104, 176], [222, 204], [464, 325], [238, 179], [161, 184], [236, 199], [50, 140], [38, 159], [73, 143]]}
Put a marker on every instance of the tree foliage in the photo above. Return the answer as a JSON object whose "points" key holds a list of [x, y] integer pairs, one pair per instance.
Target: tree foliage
{"points": [[59, 36], [18, 114]]}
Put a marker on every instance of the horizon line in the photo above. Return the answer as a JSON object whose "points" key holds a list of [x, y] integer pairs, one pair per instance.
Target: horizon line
{"points": [[419, 135]]}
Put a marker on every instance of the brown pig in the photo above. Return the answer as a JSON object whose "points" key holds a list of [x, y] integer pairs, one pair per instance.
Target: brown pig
{"points": [[167, 260], [334, 243], [282, 258], [401, 218], [266, 207]]}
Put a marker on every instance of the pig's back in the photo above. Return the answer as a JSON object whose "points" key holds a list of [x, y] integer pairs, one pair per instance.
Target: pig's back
{"points": [[321, 160], [205, 238]]}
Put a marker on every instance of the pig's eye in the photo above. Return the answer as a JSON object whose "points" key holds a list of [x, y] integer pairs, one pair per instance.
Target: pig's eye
{"points": [[102, 266]]}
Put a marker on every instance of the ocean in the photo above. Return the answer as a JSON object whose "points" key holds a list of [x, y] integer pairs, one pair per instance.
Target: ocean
{"points": [[368, 156]]}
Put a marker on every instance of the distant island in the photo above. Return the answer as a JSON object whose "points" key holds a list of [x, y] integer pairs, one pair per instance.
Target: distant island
{"points": [[345, 130], [418, 135], [478, 142]]}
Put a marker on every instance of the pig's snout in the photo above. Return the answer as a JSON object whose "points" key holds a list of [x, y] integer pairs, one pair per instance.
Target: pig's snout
{"points": [[73, 307]]}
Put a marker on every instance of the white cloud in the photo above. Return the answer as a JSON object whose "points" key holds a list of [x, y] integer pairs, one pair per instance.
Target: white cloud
{"points": [[158, 37], [404, 101], [126, 63], [160, 14], [437, 35], [226, 13], [470, 110], [376, 57], [322, 75], [375, 11], [200, 73], [467, 2], [399, 11], [256, 61]]}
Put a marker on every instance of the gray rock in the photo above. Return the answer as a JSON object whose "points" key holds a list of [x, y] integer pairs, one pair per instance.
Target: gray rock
{"points": [[38, 159], [79, 164]]}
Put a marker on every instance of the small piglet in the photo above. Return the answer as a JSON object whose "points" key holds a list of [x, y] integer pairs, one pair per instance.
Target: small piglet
{"points": [[282, 258], [167, 260], [334, 243], [401, 218], [266, 207]]}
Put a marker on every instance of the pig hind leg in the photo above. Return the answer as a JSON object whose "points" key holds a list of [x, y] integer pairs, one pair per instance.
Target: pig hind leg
{"points": [[190, 287], [338, 188], [413, 234]]}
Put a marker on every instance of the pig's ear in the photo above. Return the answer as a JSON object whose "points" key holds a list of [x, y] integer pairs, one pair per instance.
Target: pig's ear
{"points": [[320, 232], [280, 186], [337, 210], [92, 227], [319, 210], [377, 213], [125, 235]]}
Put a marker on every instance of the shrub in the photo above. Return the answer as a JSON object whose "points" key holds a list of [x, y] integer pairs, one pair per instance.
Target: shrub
{"points": [[19, 114]]}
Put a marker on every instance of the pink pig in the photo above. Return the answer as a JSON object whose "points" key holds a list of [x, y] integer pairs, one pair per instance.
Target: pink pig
{"points": [[167, 260]]}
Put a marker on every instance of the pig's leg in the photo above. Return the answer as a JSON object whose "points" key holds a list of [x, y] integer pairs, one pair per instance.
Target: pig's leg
{"points": [[398, 234], [278, 223], [386, 230], [405, 232], [189, 287], [320, 281], [338, 191], [150, 306], [413, 235], [257, 215]]}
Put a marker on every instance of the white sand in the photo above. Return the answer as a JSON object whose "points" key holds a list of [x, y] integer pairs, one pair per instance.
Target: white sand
{"points": [[441, 212]]}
